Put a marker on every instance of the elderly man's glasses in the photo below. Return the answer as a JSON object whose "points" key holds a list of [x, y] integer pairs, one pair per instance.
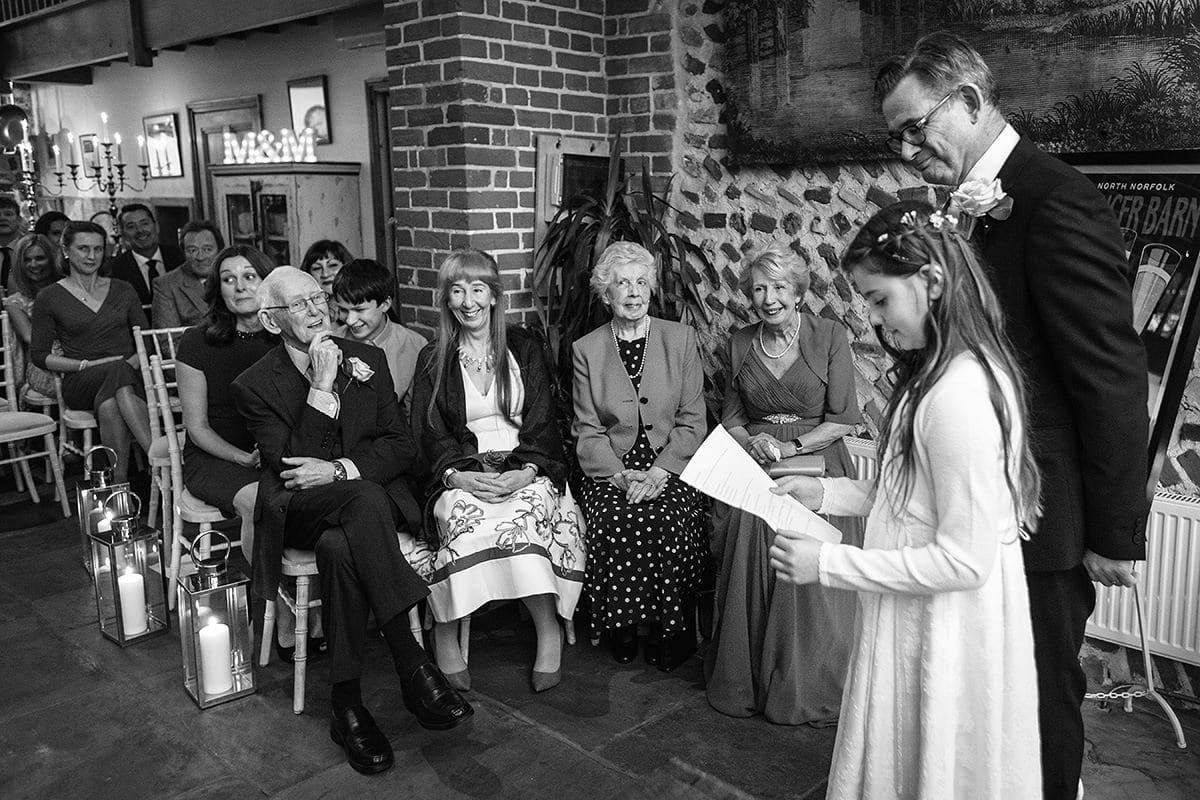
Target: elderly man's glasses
{"points": [[914, 133], [298, 307]]}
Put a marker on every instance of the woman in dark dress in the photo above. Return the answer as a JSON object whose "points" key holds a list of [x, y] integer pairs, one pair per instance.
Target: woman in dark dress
{"points": [[639, 417], [779, 649], [92, 318], [220, 459]]}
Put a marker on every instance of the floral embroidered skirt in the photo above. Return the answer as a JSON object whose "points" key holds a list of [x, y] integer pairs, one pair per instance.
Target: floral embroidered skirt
{"points": [[530, 544]]}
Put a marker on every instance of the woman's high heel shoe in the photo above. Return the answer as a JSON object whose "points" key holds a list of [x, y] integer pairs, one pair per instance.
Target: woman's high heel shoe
{"points": [[543, 681]]}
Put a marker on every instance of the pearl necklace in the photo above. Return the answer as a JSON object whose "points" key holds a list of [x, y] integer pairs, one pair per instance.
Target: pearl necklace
{"points": [[643, 335], [791, 341]]}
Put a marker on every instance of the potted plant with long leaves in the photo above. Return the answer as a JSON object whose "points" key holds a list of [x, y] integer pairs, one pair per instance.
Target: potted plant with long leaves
{"points": [[627, 209]]}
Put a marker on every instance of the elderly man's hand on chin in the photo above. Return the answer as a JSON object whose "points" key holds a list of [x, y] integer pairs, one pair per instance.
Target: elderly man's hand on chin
{"points": [[325, 356]]}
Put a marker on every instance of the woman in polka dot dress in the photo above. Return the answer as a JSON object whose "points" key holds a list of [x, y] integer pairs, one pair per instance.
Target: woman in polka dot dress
{"points": [[639, 417]]}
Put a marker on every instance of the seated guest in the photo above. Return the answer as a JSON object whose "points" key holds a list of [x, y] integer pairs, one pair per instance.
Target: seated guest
{"points": [[323, 260], [334, 451], [363, 292], [143, 259], [36, 267], [503, 524], [10, 231], [646, 530], [778, 649], [220, 460], [179, 296], [92, 318], [51, 225]]}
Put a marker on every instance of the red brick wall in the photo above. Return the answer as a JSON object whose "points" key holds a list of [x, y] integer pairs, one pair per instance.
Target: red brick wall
{"points": [[474, 82]]}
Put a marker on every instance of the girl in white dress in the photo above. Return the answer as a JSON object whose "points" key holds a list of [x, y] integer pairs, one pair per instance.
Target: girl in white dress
{"points": [[941, 700]]}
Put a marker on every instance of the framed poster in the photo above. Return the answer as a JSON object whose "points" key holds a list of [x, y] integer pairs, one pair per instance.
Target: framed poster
{"points": [[89, 151], [162, 146], [1158, 209], [310, 107]]}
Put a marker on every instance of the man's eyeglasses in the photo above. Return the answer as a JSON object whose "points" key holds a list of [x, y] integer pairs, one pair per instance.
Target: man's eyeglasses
{"points": [[914, 133], [298, 307]]}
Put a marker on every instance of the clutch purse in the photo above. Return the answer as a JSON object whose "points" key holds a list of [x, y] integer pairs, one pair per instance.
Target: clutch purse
{"points": [[797, 465]]}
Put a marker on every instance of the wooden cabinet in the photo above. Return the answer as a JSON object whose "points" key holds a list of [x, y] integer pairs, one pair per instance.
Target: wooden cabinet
{"points": [[283, 208]]}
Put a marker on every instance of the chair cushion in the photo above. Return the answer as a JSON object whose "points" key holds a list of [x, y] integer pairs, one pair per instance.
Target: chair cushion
{"points": [[23, 424], [36, 398], [78, 419], [192, 509], [299, 562]]}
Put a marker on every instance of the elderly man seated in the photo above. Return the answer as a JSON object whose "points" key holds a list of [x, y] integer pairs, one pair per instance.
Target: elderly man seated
{"points": [[334, 449]]}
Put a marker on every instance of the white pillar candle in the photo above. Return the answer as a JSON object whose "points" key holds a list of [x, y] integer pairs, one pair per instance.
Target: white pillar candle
{"points": [[104, 124], [117, 140], [216, 667], [57, 155], [133, 602], [104, 525]]}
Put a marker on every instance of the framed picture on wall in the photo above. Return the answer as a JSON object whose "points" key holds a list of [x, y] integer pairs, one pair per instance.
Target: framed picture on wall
{"points": [[89, 151], [310, 107], [162, 146]]}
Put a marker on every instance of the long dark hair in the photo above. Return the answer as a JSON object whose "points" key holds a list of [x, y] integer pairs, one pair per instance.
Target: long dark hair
{"points": [[898, 241], [471, 265], [220, 325]]}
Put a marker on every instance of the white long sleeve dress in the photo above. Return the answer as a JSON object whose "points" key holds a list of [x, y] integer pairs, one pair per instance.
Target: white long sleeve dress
{"points": [[941, 700]]}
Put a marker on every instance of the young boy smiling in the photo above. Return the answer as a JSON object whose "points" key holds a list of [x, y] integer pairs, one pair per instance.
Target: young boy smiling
{"points": [[363, 292]]}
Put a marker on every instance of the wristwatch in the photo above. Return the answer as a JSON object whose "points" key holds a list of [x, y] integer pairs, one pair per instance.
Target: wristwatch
{"points": [[799, 445], [339, 471], [446, 476]]}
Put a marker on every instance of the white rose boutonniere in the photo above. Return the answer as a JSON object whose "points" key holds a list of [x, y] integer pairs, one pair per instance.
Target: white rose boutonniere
{"points": [[977, 198], [357, 369]]}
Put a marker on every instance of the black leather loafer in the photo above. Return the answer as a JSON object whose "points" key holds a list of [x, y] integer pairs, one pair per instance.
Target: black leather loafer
{"points": [[675, 649], [623, 644], [367, 749], [432, 700], [316, 646]]}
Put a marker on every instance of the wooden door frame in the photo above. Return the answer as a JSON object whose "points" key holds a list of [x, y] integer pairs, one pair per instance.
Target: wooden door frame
{"points": [[381, 185], [253, 102]]}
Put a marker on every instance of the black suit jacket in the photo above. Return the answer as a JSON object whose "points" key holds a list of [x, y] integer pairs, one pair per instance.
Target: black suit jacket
{"points": [[125, 267], [370, 431], [1060, 270]]}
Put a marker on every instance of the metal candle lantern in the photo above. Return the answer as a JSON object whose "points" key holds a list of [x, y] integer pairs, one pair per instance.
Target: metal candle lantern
{"points": [[96, 489], [214, 628], [128, 573]]}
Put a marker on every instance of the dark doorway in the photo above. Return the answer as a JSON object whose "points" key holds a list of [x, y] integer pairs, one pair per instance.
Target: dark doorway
{"points": [[209, 121], [378, 130]]}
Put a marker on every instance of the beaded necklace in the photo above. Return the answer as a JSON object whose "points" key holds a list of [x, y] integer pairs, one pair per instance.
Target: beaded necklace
{"points": [[485, 363], [643, 335], [791, 341]]}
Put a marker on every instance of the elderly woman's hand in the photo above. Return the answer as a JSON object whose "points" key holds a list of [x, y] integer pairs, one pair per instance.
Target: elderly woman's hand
{"points": [[648, 487], [805, 488], [622, 479], [480, 484], [765, 448], [514, 480], [796, 557]]}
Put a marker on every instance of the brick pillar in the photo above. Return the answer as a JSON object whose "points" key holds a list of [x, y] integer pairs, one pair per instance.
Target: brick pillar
{"points": [[472, 84]]}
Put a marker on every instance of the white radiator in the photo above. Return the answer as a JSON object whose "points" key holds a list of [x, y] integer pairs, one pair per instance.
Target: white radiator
{"points": [[1170, 577]]}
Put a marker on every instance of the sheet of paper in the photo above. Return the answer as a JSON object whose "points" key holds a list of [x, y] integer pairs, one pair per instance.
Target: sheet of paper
{"points": [[723, 470]]}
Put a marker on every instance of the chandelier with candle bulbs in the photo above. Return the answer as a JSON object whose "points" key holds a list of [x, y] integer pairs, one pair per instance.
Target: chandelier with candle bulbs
{"points": [[106, 171]]}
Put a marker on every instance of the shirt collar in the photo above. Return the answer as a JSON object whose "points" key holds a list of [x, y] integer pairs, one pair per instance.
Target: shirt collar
{"points": [[379, 339], [141, 259], [300, 359], [989, 164]]}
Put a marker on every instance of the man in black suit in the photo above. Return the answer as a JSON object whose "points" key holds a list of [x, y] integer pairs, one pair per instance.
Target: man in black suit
{"points": [[143, 259], [1059, 268], [334, 451]]}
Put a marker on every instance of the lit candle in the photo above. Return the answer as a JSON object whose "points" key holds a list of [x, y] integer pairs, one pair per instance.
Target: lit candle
{"points": [[71, 148], [105, 524], [133, 602], [142, 150], [55, 149], [104, 123], [117, 140], [216, 665]]}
